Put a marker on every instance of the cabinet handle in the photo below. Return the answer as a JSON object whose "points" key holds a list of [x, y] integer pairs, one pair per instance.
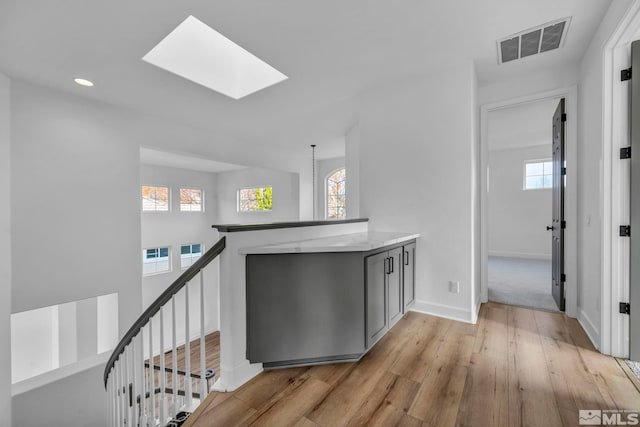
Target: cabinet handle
{"points": [[386, 265], [406, 258], [391, 263]]}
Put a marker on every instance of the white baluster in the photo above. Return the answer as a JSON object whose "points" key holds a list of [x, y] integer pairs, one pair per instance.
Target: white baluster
{"points": [[152, 382], [111, 401], [114, 378], [135, 381], [143, 381], [126, 381], [174, 357], [203, 354], [163, 374], [121, 417], [187, 349]]}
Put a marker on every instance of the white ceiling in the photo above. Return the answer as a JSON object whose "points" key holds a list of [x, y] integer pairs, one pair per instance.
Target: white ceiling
{"points": [[152, 156], [331, 50], [524, 125]]}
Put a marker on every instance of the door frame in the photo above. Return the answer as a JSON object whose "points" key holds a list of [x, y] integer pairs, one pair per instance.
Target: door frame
{"points": [[616, 194], [570, 93]]}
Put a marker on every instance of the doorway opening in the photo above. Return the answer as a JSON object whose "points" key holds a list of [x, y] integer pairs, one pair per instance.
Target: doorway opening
{"points": [[523, 264], [519, 202]]}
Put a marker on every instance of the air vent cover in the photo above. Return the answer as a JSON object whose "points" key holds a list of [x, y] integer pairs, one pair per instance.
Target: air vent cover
{"points": [[542, 38]]}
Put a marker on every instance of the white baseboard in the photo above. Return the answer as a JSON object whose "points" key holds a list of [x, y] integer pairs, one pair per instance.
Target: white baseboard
{"points": [[233, 377], [476, 310], [441, 310], [507, 254], [589, 328]]}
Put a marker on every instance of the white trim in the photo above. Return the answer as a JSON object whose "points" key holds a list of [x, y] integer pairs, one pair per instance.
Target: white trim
{"points": [[446, 311], [59, 374], [522, 255], [589, 328], [233, 377], [614, 330], [570, 94]]}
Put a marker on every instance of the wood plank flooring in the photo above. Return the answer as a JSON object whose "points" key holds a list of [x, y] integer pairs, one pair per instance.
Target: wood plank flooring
{"points": [[515, 367]]}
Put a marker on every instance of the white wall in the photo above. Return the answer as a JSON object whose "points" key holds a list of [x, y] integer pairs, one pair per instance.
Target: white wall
{"points": [[417, 175], [522, 85], [75, 208], [174, 229], [590, 177], [35, 349], [286, 203], [5, 249], [352, 164], [323, 168], [517, 218], [78, 400]]}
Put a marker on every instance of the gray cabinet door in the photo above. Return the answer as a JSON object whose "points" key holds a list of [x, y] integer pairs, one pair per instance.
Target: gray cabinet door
{"points": [[377, 324], [408, 274], [395, 285]]}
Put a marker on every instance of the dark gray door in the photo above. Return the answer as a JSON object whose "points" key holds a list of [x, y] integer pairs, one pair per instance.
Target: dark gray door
{"points": [[395, 285], [634, 282], [377, 270], [557, 227], [408, 274]]}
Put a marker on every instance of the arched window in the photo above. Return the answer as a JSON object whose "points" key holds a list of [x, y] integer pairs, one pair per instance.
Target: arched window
{"points": [[336, 200]]}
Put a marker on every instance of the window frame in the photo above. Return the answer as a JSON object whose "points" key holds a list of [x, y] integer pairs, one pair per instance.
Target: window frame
{"points": [[326, 193], [142, 209], [238, 199], [192, 260], [201, 190], [524, 174], [158, 248]]}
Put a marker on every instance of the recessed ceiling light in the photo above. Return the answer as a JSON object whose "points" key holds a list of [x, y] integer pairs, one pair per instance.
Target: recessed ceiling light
{"points": [[83, 82], [197, 52]]}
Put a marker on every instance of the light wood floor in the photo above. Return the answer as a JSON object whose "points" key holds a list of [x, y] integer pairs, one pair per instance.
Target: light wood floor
{"points": [[212, 361], [516, 367]]}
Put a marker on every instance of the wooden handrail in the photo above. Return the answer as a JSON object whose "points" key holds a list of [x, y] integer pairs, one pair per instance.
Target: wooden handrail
{"points": [[165, 297]]}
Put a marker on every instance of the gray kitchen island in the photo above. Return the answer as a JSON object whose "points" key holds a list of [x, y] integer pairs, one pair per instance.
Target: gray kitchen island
{"points": [[327, 299]]}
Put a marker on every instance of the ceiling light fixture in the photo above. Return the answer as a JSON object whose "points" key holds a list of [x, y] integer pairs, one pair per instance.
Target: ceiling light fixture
{"points": [[83, 82], [197, 52]]}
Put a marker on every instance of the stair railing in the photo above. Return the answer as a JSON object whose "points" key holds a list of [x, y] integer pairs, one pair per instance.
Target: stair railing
{"points": [[137, 395]]}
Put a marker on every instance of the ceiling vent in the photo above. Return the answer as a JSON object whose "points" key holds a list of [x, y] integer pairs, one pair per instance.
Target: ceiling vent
{"points": [[535, 40]]}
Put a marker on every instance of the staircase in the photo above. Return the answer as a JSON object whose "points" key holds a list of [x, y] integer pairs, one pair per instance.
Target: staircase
{"points": [[149, 378]]}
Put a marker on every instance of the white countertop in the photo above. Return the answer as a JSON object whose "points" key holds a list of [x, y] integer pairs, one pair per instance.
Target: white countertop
{"points": [[356, 242]]}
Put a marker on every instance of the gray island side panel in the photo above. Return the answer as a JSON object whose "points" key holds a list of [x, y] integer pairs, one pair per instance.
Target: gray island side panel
{"points": [[305, 306]]}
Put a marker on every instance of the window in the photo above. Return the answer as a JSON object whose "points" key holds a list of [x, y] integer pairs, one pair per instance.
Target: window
{"points": [[191, 200], [189, 254], [155, 199], [538, 174], [255, 199], [155, 260], [336, 195]]}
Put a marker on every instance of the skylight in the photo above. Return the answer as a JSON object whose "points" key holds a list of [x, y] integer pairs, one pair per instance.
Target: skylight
{"points": [[197, 52]]}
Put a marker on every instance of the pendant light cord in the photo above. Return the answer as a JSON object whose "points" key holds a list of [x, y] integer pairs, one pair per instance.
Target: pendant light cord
{"points": [[313, 177]]}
